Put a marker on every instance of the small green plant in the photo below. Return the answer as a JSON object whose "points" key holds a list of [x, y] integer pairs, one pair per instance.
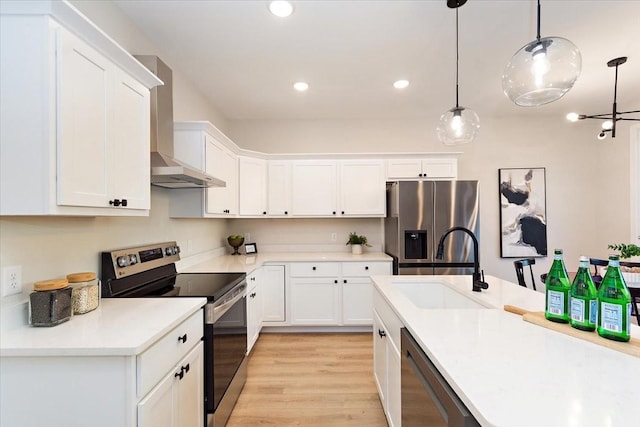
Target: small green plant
{"points": [[626, 251], [354, 239]]}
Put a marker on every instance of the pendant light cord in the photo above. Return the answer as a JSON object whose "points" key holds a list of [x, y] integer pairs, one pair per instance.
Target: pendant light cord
{"points": [[614, 114], [538, 36], [457, 60]]}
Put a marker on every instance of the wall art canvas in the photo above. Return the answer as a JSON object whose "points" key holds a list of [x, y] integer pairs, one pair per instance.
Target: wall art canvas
{"points": [[523, 217]]}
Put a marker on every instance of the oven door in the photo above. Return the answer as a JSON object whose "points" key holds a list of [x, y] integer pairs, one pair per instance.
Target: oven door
{"points": [[225, 344]]}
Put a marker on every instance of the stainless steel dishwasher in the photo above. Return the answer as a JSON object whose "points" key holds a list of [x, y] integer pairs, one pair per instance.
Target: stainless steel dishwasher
{"points": [[427, 398]]}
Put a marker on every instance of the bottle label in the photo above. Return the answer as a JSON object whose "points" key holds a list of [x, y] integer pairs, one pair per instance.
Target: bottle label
{"points": [[612, 317], [593, 311], [577, 310], [555, 302]]}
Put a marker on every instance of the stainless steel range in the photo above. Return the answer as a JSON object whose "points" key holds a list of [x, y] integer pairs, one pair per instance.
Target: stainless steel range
{"points": [[150, 271]]}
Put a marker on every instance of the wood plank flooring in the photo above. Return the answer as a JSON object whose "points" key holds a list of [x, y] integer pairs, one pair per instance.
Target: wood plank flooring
{"points": [[311, 380]]}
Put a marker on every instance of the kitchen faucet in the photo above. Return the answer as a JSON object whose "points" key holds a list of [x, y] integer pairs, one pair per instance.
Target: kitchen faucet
{"points": [[478, 277]]}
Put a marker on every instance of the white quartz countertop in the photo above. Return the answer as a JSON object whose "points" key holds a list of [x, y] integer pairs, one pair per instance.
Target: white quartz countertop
{"points": [[118, 327], [248, 263], [509, 372]]}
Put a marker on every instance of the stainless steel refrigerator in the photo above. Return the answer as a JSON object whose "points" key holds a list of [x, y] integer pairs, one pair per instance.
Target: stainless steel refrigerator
{"points": [[418, 213]]}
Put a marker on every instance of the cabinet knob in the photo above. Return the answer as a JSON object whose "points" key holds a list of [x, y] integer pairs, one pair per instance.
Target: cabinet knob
{"points": [[342, 212], [115, 202], [253, 295], [124, 202], [183, 339], [264, 213], [286, 213], [345, 280], [334, 212], [335, 281], [313, 268], [366, 267], [253, 279], [382, 333]]}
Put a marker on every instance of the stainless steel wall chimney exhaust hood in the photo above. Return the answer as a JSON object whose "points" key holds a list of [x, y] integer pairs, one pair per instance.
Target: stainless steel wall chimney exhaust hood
{"points": [[165, 170]]}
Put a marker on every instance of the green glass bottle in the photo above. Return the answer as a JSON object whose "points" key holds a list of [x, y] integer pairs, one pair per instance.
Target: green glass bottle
{"points": [[557, 293], [583, 299], [614, 304]]}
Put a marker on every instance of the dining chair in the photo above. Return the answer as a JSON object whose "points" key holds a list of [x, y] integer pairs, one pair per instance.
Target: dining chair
{"points": [[595, 275], [635, 303], [519, 266]]}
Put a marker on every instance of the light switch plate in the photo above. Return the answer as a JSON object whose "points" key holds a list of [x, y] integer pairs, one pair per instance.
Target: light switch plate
{"points": [[11, 280]]}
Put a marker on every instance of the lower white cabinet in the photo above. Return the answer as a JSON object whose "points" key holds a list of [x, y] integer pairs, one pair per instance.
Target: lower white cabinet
{"points": [[272, 282], [333, 293], [178, 400], [386, 359], [254, 307]]}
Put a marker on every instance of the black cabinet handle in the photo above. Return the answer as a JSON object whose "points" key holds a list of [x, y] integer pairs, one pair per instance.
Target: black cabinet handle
{"points": [[342, 212], [335, 281], [253, 279], [286, 213], [345, 280], [264, 213], [253, 295], [179, 374], [313, 268], [124, 202], [115, 202], [334, 212], [366, 267], [186, 368], [382, 333], [183, 339]]}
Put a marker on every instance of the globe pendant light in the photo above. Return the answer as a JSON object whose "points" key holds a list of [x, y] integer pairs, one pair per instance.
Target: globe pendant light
{"points": [[458, 125], [542, 71]]}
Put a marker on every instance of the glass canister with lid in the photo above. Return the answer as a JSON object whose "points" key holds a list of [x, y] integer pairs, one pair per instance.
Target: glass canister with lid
{"points": [[50, 303], [86, 292]]}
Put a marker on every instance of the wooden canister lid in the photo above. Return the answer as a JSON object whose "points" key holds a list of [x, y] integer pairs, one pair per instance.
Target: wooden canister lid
{"points": [[81, 277], [50, 285]]}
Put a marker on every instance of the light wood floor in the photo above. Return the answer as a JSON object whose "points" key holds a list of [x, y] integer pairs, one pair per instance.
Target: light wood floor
{"points": [[310, 380]]}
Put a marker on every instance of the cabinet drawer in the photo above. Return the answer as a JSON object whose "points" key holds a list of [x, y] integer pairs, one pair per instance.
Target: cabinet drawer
{"points": [[388, 317], [365, 268], [157, 360], [315, 269]]}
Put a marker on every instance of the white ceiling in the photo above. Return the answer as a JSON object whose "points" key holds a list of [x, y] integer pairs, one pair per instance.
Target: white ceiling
{"points": [[245, 60]]}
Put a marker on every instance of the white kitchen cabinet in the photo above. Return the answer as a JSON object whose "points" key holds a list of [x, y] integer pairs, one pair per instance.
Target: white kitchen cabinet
{"points": [[431, 168], [178, 400], [362, 190], [204, 147], [272, 281], [254, 307], [73, 96], [386, 358], [333, 293], [314, 188], [252, 186], [279, 188]]}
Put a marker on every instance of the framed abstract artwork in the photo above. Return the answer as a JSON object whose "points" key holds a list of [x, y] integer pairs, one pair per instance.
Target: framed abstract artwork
{"points": [[523, 216]]}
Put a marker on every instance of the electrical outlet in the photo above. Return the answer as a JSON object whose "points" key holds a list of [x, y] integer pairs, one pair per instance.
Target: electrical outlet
{"points": [[334, 237], [11, 280], [247, 238]]}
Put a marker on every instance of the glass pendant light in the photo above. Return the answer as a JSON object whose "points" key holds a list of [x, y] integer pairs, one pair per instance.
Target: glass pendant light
{"points": [[458, 125], [542, 71]]}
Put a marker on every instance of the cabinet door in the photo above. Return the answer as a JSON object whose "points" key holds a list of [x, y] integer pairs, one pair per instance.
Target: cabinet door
{"points": [[362, 188], [273, 299], [157, 408], [129, 163], [440, 168], [313, 188], [82, 166], [380, 358], [252, 186], [315, 301], [223, 164], [394, 397], [357, 301], [279, 188], [189, 390], [254, 307], [403, 168]]}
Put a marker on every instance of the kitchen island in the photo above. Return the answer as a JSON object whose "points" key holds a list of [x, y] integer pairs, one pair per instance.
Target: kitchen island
{"points": [[509, 372]]}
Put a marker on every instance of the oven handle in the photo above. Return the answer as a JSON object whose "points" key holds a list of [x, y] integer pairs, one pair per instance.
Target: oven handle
{"points": [[216, 310]]}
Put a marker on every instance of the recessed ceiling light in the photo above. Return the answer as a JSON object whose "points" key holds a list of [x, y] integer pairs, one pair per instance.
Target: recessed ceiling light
{"points": [[281, 8], [301, 86], [401, 84]]}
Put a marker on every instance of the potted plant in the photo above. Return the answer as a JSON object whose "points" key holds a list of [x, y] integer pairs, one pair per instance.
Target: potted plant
{"points": [[357, 242], [631, 274]]}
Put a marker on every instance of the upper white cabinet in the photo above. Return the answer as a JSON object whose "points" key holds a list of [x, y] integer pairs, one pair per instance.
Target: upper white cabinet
{"points": [[253, 186], [314, 188], [75, 117], [362, 188], [201, 145], [432, 168], [279, 188]]}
